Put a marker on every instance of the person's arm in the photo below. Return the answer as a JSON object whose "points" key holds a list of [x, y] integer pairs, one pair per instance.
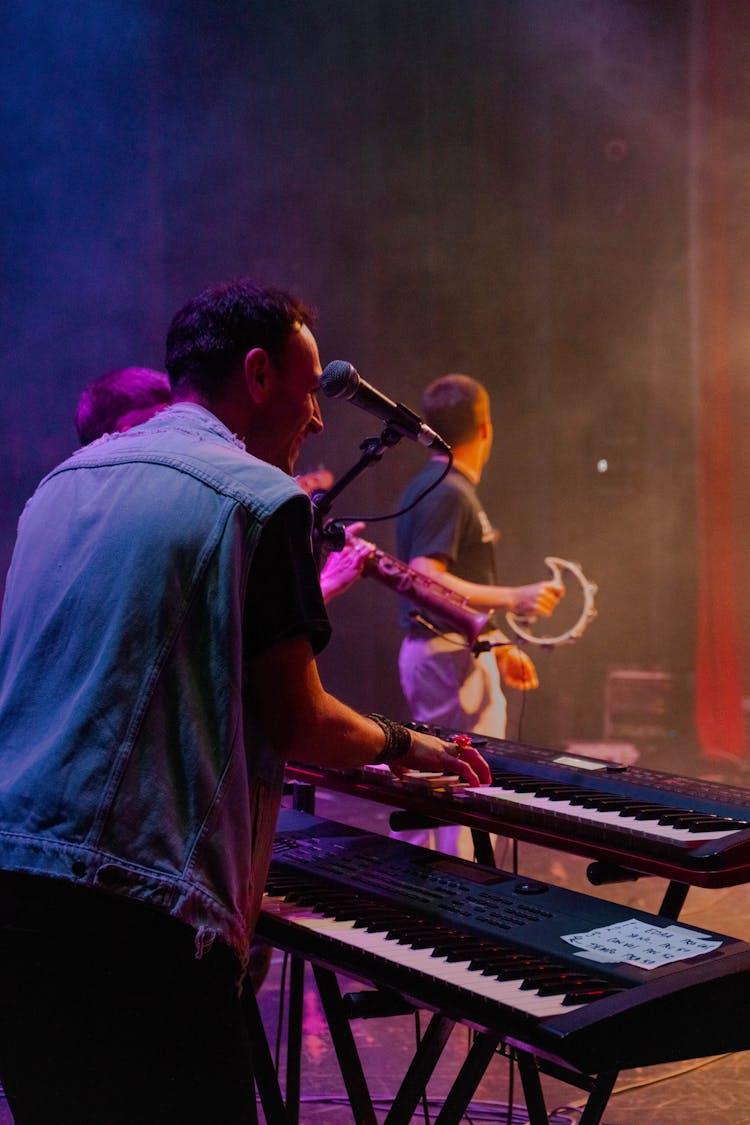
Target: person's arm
{"points": [[285, 625], [307, 724], [343, 568], [536, 599]]}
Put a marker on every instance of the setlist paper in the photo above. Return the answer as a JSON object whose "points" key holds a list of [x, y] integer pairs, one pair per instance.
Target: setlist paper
{"points": [[640, 944]]}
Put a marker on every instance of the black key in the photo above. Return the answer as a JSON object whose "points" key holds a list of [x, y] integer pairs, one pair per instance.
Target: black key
{"points": [[533, 979], [717, 824], [679, 819], [560, 794], [654, 813], [588, 996], [568, 983], [463, 952], [608, 804]]}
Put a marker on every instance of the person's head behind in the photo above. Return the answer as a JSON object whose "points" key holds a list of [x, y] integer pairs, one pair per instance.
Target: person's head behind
{"points": [[211, 334], [119, 399], [456, 407]]}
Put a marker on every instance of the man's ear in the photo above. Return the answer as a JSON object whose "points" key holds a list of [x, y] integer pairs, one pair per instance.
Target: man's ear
{"points": [[258, 374]]}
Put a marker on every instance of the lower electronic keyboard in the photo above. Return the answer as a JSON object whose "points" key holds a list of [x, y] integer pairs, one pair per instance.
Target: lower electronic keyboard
{"points": [[550, 971], [684, 829]]}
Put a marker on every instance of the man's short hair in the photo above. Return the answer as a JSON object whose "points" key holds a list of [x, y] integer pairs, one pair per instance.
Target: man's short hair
{"points": [[452, 407], [104, 403], [214, 331]]}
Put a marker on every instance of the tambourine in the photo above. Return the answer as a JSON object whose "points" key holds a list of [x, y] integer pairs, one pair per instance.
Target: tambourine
{"points": [[519, 625]]}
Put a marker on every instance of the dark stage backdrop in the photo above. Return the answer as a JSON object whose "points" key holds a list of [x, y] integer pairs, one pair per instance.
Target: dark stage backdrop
{"points": [[510, 189]]}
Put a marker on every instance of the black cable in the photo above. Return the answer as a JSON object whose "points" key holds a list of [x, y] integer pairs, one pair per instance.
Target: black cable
{"points": [[402, 511], [477, 647], [521, 711], [416, 616]]}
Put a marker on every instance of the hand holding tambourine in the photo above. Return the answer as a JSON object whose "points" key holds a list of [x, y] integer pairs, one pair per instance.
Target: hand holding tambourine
{"points": [[521, 618]]}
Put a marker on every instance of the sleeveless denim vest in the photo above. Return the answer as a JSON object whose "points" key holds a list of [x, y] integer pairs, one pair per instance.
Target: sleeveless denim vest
{"points": [[129, 761]]}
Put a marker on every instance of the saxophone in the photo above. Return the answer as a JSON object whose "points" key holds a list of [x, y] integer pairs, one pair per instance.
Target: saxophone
{"points": [[449, 610]]}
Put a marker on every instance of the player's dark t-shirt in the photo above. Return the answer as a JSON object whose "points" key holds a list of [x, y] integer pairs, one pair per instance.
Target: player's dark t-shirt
{"points": [[449, 522]]}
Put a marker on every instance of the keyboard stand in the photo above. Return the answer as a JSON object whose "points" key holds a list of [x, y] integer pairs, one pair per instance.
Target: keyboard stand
{"points": [[339, 1009], [264, 1072], [602, 874], [303, 799], [483, 851], [480, 1055], [674, 900], [294, 1038], [599, 1087]]}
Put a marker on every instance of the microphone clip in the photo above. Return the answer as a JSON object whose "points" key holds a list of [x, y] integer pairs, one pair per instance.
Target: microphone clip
{"points": [[372, 450], [333, 535]]}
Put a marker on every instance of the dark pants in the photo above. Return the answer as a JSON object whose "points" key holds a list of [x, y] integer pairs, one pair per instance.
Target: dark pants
{"points": [[107, 1018]]}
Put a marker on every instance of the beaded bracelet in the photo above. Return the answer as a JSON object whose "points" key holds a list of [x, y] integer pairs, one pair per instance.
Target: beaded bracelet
{"points": [[397, 739]]}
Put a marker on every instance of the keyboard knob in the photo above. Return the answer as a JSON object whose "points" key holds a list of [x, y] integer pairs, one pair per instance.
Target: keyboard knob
{"points": [[529, 887]]}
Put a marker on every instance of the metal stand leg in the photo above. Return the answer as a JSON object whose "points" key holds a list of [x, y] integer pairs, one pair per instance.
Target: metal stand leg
{"points": [[264, 1073], [532, 1089], [597, 1103], [294, 1038], [420, 1070], [483, 852], [599, 1088], [417, 1076], [467, 1080], [345, 1047], [674, 900]]}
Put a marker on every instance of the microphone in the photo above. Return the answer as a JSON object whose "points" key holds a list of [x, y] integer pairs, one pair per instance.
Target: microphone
{"points": [[341, 380]]}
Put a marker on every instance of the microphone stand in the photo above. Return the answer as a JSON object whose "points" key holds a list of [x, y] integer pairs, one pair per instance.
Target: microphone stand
{"points": [[333, 534]]}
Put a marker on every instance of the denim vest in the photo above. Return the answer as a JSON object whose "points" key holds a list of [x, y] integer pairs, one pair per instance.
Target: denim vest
{"points": [[129, 760]]}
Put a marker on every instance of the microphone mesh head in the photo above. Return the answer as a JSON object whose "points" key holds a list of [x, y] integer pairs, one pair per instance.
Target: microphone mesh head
{"points": [[339, 379]]}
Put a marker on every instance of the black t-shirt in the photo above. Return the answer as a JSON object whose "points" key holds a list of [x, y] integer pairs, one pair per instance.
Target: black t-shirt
{"points": [[283, 597], [449, 523]]}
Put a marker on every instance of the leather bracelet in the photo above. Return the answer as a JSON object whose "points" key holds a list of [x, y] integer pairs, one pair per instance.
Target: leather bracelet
{"points": [[397, 739]]}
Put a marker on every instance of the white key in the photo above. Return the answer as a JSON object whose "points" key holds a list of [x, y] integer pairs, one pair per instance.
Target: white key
{"points": [[596, 816], [457, 973]]}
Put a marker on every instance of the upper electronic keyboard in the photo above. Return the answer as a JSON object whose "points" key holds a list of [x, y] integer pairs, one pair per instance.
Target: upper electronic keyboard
{"points": [[692, 831], [494, 950]]}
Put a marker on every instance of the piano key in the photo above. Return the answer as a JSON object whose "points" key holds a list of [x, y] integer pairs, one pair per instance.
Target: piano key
{"points": [[711, 847], [641, 823], [527, 984], [452, 945], [457, 974], [714, 824], [575, 998], [568, 984]]}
